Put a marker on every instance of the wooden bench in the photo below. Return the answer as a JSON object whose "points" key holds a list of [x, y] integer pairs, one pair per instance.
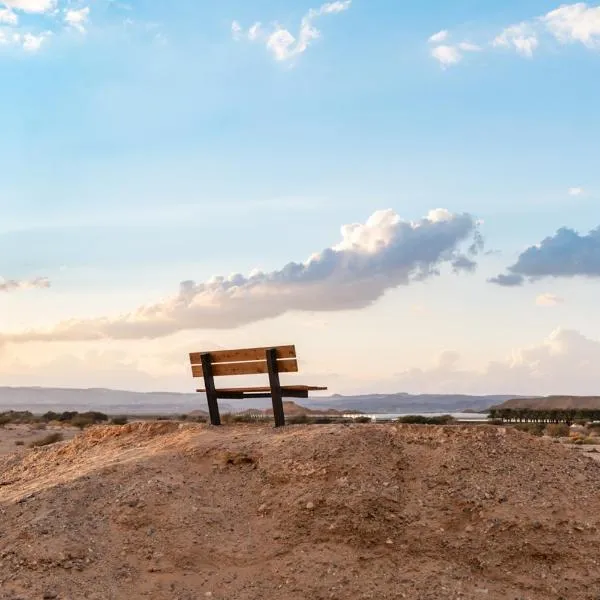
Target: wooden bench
{"points": [[249, 361]]}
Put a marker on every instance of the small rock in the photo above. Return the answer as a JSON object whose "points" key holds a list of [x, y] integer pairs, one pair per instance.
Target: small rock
{"points": [[310, 505]]}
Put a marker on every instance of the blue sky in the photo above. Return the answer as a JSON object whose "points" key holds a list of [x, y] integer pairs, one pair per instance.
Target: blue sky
{"points": [[145, 144]]}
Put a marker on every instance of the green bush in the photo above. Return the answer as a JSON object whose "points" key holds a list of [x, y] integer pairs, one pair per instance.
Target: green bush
{"points": [[19, 443], [363, 419], [51, 438], [119, 421], [422, 420], [558, 430]]}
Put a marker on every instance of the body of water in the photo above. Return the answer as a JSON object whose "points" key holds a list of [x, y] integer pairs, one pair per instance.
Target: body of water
{"points": [[462, 417]]}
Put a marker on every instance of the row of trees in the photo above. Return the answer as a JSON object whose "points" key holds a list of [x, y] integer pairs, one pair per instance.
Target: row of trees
{"points": [[532, 415]]}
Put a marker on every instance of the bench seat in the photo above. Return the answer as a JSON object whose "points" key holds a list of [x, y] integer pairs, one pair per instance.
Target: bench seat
{"points": [[287, 391]]}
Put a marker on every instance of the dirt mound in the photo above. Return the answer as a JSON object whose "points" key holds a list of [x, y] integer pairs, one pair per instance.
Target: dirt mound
{"points": [[182, 512]]}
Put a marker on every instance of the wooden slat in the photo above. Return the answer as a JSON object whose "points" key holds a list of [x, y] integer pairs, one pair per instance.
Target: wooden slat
{"points": [[244, 354], [246, 368], [299, 388]]}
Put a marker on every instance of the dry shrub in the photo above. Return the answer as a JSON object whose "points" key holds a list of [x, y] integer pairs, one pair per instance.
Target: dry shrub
{"points": [[51, 438], [558, 430]]}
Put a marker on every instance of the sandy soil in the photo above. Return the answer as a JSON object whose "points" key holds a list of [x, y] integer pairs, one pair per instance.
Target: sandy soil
{"points": [[16, 438], [357, 512]]}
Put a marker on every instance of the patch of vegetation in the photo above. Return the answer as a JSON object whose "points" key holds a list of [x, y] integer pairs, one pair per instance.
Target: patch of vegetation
{"points": [[536, 429], [19, 443], [51, 438], [557, 430], [119, 420], [363, 420], [298, 420], [17, 417], [422, 420]]}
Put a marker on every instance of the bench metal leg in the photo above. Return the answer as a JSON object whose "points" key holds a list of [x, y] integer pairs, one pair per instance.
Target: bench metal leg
{"points": [[276, 394]]}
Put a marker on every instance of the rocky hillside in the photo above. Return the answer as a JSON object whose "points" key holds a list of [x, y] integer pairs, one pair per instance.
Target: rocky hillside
{"points": [[554, 403]]}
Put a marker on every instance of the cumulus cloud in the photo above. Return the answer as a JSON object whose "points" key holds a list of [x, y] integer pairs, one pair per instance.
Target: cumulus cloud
{"points": [[564, 363], [549, 300], [575, 23], [77, 19], [13, 285], [8, 17], [280, 41], [383, 253], [565, 254]]}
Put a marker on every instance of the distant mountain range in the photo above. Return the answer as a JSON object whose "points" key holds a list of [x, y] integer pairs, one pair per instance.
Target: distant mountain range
{"points": [[39, 400]]}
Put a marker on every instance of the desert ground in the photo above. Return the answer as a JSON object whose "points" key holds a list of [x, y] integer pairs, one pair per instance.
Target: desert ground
{"points": [[16, 437], [187, 512]]}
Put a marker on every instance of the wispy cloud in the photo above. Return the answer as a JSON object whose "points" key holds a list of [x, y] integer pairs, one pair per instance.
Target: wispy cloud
{"points": [[282, 44], [439, 37], [31, 6], [576, 191], [549, 300], [13, 285], [569, 23], [449, 54], [383, 253], [521, 37], [77, 19]]}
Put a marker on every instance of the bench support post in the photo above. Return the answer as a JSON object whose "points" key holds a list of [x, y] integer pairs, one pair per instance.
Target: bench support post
{"points": [[276, 393], [211, 392]]}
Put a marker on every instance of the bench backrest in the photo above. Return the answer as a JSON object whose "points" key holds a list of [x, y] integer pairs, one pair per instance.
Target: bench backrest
{"points": [[245, 361]]}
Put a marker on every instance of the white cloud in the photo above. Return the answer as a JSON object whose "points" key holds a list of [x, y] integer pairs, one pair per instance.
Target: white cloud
{"points": [[576, 191], [564, 363], [570, 23], [446, 55], [77, 19], [439, 37], [8, 17], [549, 300], [381, 254], [32, 42], [281, 42], [31, 6], [13, 285], [451, 55], [521, 37], [575, 23]]}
